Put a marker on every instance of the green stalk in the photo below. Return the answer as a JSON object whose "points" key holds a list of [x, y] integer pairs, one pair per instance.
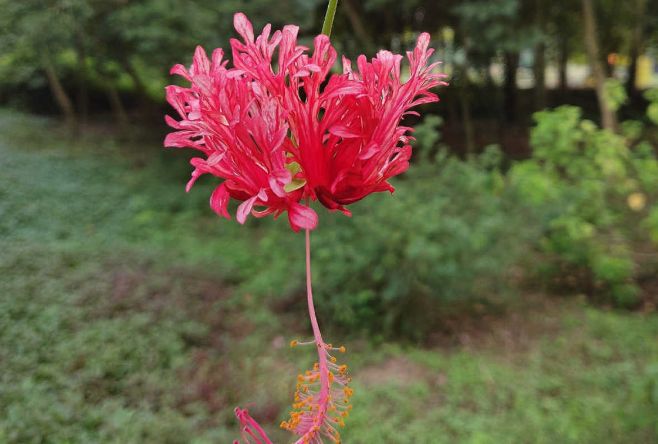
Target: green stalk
{"points": [[329, 17]]}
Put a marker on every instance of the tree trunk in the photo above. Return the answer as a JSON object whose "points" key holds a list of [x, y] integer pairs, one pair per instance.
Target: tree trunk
{"points": [[63, 100], [608, 117], [467, 122], [81, 74], [636, 47], [509, 89], [146, 108], [540, 62], [540, 77], [117, 106], [562, 62]]}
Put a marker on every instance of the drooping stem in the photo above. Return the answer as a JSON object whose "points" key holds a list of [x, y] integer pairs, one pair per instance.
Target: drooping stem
{"points": [[329, 17], [322, 354], [309, 292]]}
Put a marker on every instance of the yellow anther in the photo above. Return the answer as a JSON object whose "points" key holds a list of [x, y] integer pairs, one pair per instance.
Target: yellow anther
{"points": [[293, 343], [349, 407], [349, 379], [333, 359], [315, 366], [346, 400], [333, 408], [329, 345], [305, 389], [342, 368], [342, 423], [342, 349], [300, 377]]}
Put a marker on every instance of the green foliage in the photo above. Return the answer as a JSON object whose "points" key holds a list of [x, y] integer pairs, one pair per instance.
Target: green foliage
{"points": [[496, 25], [385, 270], [427, 136], [409, 256], [130, 314], [652, 111], [590, 185], [615, 94], [125, 42], [651, 223], [571, 388]]}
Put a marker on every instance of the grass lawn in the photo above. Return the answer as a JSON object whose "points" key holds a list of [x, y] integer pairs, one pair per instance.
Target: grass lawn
{"points": [[126, 317]]}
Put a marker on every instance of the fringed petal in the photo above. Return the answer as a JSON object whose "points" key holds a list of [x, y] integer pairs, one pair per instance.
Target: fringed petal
{"points": [[301, 216], [219, 201]]}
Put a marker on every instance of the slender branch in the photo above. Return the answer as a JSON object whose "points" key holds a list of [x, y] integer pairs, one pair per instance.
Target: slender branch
{"points": [[329, 17]]}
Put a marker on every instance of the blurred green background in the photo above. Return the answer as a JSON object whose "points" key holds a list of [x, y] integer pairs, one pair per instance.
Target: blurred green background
{"points": [[506, 294]]}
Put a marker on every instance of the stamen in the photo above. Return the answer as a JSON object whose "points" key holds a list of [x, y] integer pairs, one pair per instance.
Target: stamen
{"points": [[296, 342]]}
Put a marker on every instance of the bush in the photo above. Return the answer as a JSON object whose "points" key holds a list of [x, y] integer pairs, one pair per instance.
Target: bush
{"points": [[451, 233], [592, 188]]}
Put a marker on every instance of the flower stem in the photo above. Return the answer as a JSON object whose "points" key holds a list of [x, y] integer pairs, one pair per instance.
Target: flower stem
{"points": [[309, 292], [329, 17], [322, 354]]}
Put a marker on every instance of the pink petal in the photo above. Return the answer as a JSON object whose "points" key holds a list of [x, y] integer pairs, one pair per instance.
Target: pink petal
{"points": [[243, 26], [181, 71], [245, 209], [217, 55], [219, 200], [301, 73], [344, 131], [301, 216], [370, 151], [178, 139], [423, 42], [279, 179], [247, 423], [195, 175], [200, 64], [171, 122]]}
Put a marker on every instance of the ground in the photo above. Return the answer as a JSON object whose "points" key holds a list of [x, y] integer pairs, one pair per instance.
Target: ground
{"points": [[121, 322]]}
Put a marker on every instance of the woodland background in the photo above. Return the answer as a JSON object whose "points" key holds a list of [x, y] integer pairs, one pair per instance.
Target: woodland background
{"points": [[506, 294]]}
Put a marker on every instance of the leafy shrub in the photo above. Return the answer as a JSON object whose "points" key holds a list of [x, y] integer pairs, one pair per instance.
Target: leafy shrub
{"points": [[592, 187], [446, 237], [427, 136]]}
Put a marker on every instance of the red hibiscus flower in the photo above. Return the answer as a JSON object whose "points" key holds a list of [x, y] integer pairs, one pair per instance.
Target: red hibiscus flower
{"points": [[282, 131]]}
